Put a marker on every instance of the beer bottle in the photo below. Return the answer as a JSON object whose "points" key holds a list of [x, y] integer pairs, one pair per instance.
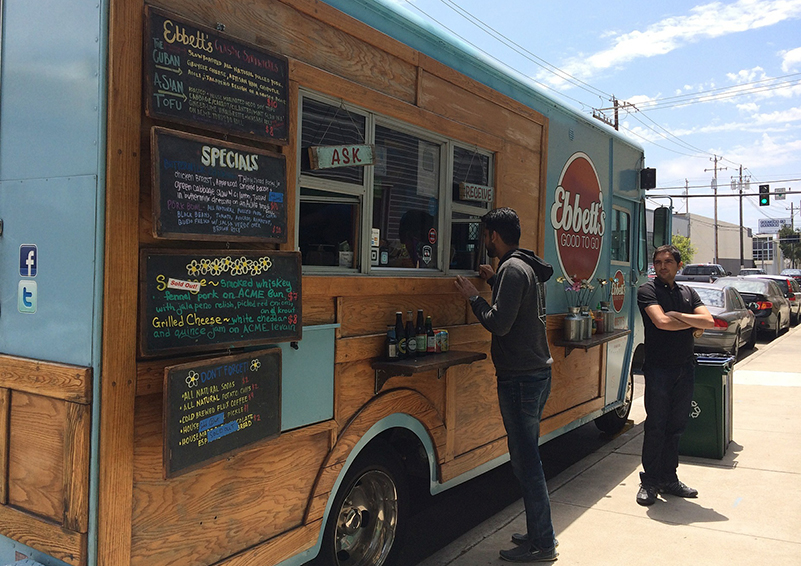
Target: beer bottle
{"points": [[431, 338], [420, 333], [411, 338], [392, 343], [400, 335]]}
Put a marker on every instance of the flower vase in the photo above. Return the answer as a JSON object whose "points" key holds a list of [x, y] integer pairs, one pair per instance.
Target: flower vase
{"points": [[573, 325], [586, 320], [609, 317]]}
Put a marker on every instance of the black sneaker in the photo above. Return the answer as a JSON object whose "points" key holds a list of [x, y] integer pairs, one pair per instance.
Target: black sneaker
{"points": [[647, 495], [678, 489], [522, 538], [529, 554]]}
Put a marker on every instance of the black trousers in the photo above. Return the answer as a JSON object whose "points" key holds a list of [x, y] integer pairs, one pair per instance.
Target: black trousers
{"points": [[668, 399]]}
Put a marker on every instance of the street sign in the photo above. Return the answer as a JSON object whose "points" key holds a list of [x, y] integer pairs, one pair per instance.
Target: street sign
{"points": [[780, 193]]}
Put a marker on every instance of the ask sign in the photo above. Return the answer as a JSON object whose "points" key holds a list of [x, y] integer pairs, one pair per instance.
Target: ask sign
{"points": [[331, 156]]}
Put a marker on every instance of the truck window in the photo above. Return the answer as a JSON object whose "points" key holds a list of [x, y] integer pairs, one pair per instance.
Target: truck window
{"points": [[401, 225], [621, 226]]}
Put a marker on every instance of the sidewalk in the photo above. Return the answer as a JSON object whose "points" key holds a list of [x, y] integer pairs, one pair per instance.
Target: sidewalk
{"points": [[749, 506]]}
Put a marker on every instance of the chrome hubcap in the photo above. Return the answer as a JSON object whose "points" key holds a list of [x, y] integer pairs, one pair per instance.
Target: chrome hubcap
{"points": [[367, 521]]}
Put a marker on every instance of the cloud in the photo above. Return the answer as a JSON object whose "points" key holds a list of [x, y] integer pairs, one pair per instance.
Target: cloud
{"points": [[791, 60], [706, 21], [749, 107]]}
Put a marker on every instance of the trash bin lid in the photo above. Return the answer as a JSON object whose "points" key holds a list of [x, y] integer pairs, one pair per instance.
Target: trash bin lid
{"points": [[714, 359]]}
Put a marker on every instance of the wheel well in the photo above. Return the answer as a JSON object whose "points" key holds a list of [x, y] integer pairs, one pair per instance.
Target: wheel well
{"points": [[410, 450], [638, 359]]}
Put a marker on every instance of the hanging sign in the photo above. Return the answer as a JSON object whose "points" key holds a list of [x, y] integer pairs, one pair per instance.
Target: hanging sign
{"points": [[331, 156], [480, 193]]}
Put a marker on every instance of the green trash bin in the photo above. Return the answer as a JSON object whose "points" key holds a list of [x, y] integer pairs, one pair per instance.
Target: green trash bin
{"points": [[709, 430]]}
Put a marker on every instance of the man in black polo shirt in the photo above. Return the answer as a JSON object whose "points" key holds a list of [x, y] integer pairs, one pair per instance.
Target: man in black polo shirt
{"points": [[671, 314]]}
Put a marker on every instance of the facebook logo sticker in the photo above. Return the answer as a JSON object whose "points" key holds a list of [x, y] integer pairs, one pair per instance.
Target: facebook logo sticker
{"points": [[28, 260]]}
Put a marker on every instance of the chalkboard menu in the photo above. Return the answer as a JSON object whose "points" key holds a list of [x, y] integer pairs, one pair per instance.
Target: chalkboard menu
{"points": [[198, 76], [214, 190], [207, 300], [215, 406]]}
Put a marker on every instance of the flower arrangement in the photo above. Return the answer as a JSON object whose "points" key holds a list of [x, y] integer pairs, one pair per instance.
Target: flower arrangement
{"points": [[578, 293]]}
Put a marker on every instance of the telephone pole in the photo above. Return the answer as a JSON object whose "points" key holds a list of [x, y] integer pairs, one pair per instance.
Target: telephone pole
{"points": [[739, 185], [715, 190]]}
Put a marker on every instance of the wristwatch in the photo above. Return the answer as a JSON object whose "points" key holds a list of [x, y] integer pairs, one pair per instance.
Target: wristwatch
{"points": [[473, 298]]}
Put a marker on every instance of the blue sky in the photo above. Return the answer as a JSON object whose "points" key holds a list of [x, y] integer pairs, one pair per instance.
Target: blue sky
{"points": [[708, 79]]}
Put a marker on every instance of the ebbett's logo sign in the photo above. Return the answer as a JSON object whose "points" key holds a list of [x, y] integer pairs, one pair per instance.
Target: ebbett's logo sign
{"points": [[618, 291], [578, 218]]}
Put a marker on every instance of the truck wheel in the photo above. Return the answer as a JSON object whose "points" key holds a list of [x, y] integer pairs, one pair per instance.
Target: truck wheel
{"points": [[369, 511], [613, 421]]}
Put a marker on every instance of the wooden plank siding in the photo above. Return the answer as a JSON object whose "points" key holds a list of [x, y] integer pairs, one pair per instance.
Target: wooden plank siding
{"points": [[265, 504], [44, 455]]}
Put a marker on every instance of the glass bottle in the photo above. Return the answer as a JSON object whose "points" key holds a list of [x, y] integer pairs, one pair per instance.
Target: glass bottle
{"points": [[420, 333], [392, 343], [411, 338], [400, 335], [431, 337]]}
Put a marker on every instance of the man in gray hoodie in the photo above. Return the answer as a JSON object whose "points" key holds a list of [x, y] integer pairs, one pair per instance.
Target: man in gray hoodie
{"points": [[516, 319]]}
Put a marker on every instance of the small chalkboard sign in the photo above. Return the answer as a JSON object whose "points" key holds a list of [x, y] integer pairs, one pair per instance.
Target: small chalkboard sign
{"points": [[215, 406], [198, 76], [213, 190], [196, 300]]}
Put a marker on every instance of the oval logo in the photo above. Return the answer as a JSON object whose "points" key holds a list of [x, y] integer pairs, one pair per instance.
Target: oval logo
{"points": [[618, 291], [578, 218]]}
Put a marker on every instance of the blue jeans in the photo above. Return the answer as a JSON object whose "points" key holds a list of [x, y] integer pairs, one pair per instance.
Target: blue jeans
{"points": [[668, 399], [522, 400]]}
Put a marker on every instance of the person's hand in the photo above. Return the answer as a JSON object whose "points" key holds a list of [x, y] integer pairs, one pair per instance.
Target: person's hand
{"points": [[465, 287], [485, 271], [698, 332]]}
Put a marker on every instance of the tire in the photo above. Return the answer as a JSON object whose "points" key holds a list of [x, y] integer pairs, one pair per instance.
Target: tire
{"points": [[778, 330], [614, 421], [370, 509]]}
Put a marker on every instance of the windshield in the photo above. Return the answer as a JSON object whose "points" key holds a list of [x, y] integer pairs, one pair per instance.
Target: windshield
{"points": [[710, 297], [750, 286]]}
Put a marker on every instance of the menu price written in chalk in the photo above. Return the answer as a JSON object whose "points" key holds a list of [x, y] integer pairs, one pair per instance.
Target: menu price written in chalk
{"points": [[215, 406]]}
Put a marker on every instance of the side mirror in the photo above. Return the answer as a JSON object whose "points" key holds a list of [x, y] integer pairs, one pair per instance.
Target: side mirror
{"points": [[662, 226]]}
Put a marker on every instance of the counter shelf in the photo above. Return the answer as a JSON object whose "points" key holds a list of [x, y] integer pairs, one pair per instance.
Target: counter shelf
{"points": [[385, 369], [594, 340]]}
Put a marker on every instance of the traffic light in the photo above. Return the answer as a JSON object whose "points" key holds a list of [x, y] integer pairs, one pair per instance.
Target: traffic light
{"points": [[764, 195]]}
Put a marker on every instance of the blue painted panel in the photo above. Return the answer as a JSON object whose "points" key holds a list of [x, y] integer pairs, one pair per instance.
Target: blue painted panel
{"points": [[307, 386], [58, 216], [49, 109]]}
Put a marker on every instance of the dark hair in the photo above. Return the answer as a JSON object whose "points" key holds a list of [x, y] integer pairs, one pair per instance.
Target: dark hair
{"points": [[505, 222], [668, 248]]}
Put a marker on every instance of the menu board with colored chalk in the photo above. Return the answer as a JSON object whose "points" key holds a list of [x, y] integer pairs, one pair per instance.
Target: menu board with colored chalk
{"points": [[207, 189], [201, 77], [208, 300], [215, 406]]}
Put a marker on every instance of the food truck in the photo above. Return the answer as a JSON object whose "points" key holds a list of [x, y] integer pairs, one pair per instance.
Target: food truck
{"points": [[218, 208]]}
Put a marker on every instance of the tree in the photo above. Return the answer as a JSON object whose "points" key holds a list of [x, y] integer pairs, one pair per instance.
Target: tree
{"points": [[789, 244], [685, 246]]}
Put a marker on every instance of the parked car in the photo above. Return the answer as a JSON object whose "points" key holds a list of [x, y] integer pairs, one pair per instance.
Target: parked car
{"points": [[752, 271], [764, 298], [792, 292], [794, 273], [735, 324], [702, 272]]}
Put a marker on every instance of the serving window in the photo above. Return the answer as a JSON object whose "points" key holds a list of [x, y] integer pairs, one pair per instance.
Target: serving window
{"points": [[405, 211]]}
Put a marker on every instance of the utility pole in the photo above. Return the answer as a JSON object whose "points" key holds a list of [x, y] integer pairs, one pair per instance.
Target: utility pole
{"points": [[739, 186], [686, 200], [715, 190], [598, 113]]}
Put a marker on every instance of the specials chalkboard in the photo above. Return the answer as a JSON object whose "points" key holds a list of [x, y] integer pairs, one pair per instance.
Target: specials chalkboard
{"points": [[206, 189], [209, 300], [198, 76], [215, 406]]}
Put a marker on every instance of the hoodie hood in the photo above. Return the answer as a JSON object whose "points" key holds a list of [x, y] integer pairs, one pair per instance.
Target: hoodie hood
{"points": [[543, 269]]}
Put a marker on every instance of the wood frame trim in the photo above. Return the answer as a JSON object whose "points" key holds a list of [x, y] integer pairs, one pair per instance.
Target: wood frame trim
{"points": [[76, 467], [118, 371], [67, 546], [5, 415], [49, 379]]}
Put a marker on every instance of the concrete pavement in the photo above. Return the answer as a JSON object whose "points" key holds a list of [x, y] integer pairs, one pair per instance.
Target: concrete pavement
{"points": [[749, 506]]}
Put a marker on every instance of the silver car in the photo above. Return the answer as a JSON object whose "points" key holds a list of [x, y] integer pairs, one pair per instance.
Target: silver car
{"points": [[791, 291], [734, 322]]}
